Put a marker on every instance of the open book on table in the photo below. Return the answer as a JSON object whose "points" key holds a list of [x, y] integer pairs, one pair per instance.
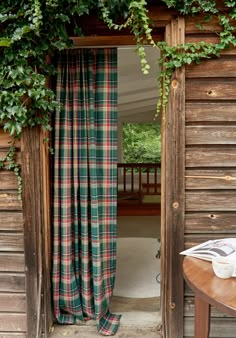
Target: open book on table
{"points": [[225, 247]]}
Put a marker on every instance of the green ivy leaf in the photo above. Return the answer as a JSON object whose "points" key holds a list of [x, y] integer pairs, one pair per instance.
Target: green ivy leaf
{"points": [[5, 42], [60, 45]]}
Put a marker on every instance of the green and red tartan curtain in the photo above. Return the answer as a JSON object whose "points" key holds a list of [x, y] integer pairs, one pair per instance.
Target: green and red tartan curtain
{"points": [[85, 188]]}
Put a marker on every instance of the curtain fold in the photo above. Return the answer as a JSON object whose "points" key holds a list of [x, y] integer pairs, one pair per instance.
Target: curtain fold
{"points": [[85, 188]]}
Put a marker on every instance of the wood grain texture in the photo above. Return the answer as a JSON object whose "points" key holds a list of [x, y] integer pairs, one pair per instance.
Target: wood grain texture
{"points": [[6, 139], [211, 89], [209, 288], [12, 242], [9, 201], [210, 223], [12, 275], [211, 201], [11, 221], [204, 135], [173, 197], [201, 37], [111, 41], [32, 214], [8, 180], [12, 262], [211, 157], [13, 335], [210, 112], [212, 179], [202, 318], [46, 239], [12, 302], [209, 27], [12, 282], [12, 322], [220, 327], [225, 66]]}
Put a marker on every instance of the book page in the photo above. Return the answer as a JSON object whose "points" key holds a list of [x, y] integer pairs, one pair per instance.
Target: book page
{"points": [[225, 247]]}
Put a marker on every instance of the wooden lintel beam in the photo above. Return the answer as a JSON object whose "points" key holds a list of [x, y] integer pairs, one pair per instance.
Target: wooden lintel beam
{"points": [[96, 32], [120, 40]]}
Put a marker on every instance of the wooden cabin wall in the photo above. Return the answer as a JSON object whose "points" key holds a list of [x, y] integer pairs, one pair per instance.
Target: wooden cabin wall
{"points": [[12, 275], [210, 159]]}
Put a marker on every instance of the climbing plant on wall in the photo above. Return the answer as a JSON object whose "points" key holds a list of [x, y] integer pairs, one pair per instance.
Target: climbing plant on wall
{"points": [[30, 30], [176, 57]]}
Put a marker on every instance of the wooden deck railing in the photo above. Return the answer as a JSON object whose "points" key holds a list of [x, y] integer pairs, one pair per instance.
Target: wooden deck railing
{"points": [[136, 177], [136, 182]]}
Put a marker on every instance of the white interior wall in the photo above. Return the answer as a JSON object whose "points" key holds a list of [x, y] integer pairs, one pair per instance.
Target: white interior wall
{"points": [[137, 93]]}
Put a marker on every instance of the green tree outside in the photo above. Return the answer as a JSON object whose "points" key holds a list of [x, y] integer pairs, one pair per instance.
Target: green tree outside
{"points": [[141, 143]]}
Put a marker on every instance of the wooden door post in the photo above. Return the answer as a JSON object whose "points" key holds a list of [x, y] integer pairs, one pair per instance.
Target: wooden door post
{"points": [[37, 240], [173, 199], [32, 215]]}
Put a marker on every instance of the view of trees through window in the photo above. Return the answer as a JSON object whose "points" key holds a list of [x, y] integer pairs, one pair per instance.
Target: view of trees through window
{"points": [[141, 143]]}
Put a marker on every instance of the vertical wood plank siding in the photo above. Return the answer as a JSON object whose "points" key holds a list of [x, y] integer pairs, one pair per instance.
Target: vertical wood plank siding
{"points": [[46, 236], [172, 215], [12, 275], [210, 159], [33, 213]]}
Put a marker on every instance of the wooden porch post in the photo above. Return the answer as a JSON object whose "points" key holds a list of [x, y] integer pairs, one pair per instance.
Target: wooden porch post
{"points": [[173, 200], [37, 238], [32, 214]]}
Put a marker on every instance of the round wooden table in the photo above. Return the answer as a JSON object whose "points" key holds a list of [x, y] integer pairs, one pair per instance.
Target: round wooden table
{"points": [[208, 290]]}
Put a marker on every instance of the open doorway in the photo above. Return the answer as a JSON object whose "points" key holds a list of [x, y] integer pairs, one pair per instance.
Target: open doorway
{"points": [[137, 287], [172, 213], [149, 234]]}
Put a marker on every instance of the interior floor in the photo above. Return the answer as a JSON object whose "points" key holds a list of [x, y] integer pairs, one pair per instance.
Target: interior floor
{"points": [[137, 288]]}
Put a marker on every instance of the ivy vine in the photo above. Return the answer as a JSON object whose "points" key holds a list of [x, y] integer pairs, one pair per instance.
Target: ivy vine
{"points": [[185, 54], [30, 30]]}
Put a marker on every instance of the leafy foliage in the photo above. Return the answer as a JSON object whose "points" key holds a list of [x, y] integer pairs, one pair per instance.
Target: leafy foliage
{"points": [[32, 30], [191, 7], [185, 54], [139, 24], [141, 143]]}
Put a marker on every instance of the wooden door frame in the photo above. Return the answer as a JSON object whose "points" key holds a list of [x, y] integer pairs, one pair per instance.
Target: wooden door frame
{"points": [[37, 234], [172, 220], [32, 216], [173, 195]]}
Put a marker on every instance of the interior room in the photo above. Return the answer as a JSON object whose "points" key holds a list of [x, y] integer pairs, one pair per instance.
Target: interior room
{"points": [[137, 287]]}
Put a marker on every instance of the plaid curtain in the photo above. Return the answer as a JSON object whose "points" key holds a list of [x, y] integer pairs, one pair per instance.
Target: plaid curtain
{"points": [[85, 188]]}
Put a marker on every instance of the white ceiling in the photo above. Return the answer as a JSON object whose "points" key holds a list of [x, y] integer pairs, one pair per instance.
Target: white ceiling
{"points": [[137, 93]]}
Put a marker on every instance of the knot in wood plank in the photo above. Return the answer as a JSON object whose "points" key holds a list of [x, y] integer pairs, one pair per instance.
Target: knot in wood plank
{"points": [[175, 205], [172, 306], [211, 93], [174, 84]]}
